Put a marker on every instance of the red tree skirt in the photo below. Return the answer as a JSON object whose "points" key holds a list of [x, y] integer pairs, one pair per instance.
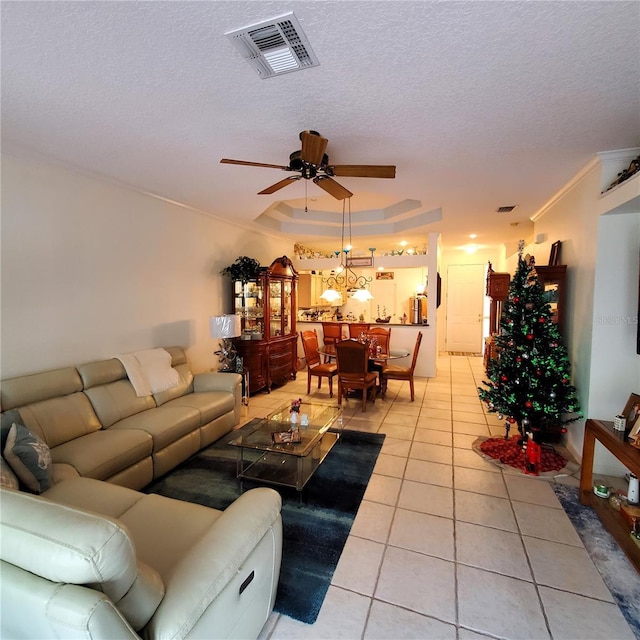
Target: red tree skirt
{"points": [[511, 453]]}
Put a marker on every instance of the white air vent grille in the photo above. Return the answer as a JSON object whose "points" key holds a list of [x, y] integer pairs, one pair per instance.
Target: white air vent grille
{"points": [[275, 46]]}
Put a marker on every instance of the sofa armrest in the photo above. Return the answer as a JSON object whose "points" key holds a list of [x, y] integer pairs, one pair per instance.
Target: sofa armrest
{"points": [[217, 382], [212, 582]]}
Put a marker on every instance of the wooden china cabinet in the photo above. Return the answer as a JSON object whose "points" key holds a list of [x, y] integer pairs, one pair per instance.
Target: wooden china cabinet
{"points": [[269, 341], [553, 279], [497, 291]]}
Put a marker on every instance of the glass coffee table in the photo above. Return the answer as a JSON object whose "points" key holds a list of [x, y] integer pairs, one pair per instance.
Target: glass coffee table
{"points": [[290, 464]]}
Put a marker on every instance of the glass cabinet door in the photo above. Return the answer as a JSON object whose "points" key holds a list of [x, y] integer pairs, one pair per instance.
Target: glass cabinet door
{"points": [[249, 305], [275, 308], [286, 308]]}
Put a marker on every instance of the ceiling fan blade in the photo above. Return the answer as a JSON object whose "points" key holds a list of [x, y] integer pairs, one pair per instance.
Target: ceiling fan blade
{"points": [[279, 185], [332, 187], [254, 164], [364, 170], [313, 148]]}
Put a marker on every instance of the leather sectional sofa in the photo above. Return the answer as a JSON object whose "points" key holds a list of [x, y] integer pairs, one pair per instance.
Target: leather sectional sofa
{"points": [[92, 557]]}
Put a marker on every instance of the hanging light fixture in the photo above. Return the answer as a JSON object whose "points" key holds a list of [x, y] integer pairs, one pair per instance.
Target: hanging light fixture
{"points": [[346, 277]]}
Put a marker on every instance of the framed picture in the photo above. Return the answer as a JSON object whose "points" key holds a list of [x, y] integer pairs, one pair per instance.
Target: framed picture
{"points": [[384, 275], [364, 261], [554, 256], [631, 413]]}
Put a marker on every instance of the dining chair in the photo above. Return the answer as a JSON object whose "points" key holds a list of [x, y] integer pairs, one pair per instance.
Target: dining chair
{"points": [[356, 328], [331, 333], [353, 361], [382, 336], [314, 366], [396, 372]]}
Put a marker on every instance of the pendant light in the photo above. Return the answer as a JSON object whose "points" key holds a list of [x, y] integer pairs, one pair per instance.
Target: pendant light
{"points": [[346, 278]]}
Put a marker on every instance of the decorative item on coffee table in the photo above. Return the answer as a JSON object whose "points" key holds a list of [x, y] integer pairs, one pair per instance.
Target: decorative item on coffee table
{"points": [[293, 434]]}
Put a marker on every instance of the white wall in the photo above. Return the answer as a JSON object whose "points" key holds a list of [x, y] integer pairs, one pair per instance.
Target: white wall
{"points": [[91, 269], [601, 254]]}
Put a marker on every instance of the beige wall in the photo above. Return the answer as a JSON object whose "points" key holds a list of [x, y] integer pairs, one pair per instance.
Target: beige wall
{"points": [[600, 248], [91, 269]]}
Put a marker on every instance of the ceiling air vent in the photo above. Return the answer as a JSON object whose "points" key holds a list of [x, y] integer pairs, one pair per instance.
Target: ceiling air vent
{"points": [[275, 46], [507, 209]]}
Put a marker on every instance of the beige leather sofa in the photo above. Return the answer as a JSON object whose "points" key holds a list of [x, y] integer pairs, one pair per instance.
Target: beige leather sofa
{"points": [[95, 426], [90, 559]]}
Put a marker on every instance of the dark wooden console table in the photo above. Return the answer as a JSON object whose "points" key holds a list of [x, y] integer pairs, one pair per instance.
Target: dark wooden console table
{"points": [[629, 456]]}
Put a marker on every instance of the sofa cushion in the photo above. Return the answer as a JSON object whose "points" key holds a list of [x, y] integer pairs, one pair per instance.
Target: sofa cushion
{"points": [[178, 356], [163, 529], [94, 374], [16, 392], [184, 386], [29, 458], [164, 424], [209, 404], [68, 545], [94, 495], [59, 420], [116, 401], [8, 479], [104, 453]]}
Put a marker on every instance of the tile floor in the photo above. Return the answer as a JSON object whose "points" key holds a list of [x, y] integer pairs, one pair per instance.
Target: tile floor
{"points": [[446, 545]]}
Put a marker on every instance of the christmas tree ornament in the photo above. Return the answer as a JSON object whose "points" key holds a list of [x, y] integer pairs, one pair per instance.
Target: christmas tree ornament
{"points": [[552, 394]]}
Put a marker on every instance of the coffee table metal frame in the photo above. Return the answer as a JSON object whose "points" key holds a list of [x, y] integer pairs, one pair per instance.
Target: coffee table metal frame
{"points": [[291, 464]]}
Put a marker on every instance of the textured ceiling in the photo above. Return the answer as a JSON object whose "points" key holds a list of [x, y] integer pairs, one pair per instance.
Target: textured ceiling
{"points": [[478, 104]]}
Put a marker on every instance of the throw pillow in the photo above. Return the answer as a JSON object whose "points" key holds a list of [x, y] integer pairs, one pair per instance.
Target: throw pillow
{"points": [[8, 479], [6, 420], [29, 458]]}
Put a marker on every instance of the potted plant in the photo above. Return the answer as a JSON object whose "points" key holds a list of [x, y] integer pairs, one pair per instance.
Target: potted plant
{"points": [[243, 269]]}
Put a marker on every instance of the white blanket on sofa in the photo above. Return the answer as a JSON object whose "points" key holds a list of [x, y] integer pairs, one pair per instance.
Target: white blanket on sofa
{"points": [[150, 371]]}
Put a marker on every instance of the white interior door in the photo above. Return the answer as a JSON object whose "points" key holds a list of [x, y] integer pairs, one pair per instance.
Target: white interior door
{"points": [[465, 298]]}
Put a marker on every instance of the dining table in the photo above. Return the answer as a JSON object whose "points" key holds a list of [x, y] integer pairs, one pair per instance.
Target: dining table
{"points": [[376, 362]]}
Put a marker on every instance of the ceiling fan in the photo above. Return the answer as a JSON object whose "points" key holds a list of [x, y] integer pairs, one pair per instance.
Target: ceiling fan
{"points": [[312, 163]]}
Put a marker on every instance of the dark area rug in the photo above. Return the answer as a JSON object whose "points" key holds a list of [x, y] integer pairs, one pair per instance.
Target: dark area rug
{"points": [[316, 523], [613, 565]]}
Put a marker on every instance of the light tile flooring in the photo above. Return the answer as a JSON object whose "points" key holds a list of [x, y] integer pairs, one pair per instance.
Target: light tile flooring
{"points": [[446, 545]]}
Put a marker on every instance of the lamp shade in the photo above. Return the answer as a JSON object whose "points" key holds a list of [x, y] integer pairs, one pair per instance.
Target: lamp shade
{"points": [[225, 326], [331, 295], [362, 295]]}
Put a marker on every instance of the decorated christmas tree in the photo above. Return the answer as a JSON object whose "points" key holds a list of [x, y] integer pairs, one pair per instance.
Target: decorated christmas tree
{"points": [[530, 380]]}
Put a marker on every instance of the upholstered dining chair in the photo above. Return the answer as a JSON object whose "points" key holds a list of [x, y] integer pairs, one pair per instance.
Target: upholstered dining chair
{"points": [[382, 336], [396, 372], [356, 328], [331, 333], [353, 360], [314, 366]]}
